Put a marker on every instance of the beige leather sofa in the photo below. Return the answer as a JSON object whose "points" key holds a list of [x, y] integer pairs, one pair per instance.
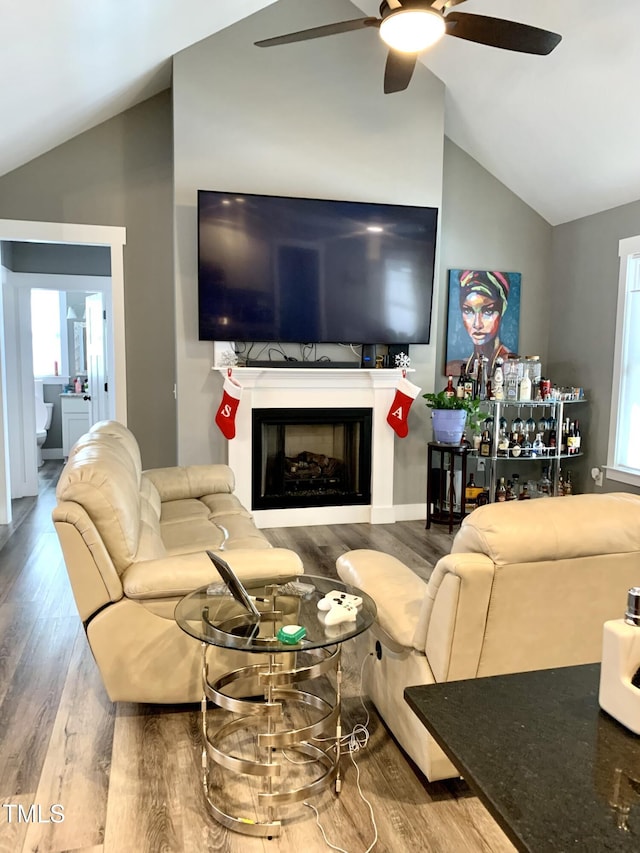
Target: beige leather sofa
{"points": [[134, 543], [527, 585]]}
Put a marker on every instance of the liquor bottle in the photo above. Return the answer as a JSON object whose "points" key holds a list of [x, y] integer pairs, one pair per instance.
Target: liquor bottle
{"points": [[465, 444], [511, 385], [561, 491], [509, 495], [514, 445], [515, 479], [469, 386], [450, 391], [537, 448], [577, 438], [471, 494], [498, 381], [544, 483], [503, 443], [568, 485], [460, 386], [524, 390], [485, 444], [524, 494], [619, 694], [481, 391], [553, 442], [501, 491]]}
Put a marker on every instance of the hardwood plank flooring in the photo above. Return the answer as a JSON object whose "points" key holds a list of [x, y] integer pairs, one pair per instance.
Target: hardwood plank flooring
{"points": [[129, 776]]}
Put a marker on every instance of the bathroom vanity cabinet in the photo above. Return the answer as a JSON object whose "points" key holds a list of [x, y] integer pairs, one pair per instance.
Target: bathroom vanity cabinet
{"points": [[76, 419]]}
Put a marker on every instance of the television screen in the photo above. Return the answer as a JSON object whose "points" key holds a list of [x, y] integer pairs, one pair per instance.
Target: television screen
{"points": [[301, 270]]}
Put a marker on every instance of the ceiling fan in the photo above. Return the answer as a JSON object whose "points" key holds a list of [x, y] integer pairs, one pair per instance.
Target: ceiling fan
{"points": [[410, 26]]}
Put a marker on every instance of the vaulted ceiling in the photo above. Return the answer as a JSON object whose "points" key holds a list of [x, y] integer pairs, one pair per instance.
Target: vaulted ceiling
{"points": [[560, 131]]}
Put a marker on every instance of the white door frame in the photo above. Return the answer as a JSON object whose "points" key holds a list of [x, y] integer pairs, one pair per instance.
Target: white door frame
{"points": [[86, 235]]}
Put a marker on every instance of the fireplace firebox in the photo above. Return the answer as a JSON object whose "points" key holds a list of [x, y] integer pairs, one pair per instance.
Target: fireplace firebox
{"points": [[310, 457]]}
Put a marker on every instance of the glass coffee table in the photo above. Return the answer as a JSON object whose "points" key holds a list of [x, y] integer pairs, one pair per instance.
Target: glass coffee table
{"points": [[274, 738]]}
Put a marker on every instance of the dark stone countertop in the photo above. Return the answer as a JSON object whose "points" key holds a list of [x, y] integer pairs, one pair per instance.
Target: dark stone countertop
{"points": [[555, 771]]}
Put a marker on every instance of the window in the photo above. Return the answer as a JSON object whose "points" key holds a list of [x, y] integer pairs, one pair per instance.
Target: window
{"points": [[45, 331], [623, 463]]}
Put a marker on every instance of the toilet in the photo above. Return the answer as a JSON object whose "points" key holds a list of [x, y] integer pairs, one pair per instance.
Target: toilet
{"points": [[44, 413]]}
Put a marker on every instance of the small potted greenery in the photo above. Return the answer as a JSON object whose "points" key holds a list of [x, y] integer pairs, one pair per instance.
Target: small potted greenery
{"points": [[451, 415]]}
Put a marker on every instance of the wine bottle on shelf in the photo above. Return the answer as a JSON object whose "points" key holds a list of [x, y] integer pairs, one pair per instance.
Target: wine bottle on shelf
{"points": [[503, 443], [485, 444], [524, 494], [501, 491], [460, 386], [576, 438], [450, 391], [565, 435]]}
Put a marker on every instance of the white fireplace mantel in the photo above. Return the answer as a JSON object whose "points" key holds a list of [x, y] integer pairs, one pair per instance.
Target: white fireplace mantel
{"points": [[318, 388]]}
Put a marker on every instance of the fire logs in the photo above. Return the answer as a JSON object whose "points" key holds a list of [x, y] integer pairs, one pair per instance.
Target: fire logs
{"points": [[308, 466]]}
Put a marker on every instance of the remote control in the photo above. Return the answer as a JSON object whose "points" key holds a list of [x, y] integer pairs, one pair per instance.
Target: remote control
{"points": [[337, 597]]}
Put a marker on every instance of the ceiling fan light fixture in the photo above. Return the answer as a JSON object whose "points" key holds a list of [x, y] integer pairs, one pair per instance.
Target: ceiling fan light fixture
{"points": [[412, 30]]}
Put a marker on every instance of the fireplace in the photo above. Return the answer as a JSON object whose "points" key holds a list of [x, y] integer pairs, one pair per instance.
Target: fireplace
{"points": [[333, 390], [310, 457]]}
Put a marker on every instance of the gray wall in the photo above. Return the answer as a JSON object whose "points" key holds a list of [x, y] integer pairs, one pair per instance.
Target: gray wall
{"points": [[120, 173], [57, 258], [306, 120], [582, 321]]}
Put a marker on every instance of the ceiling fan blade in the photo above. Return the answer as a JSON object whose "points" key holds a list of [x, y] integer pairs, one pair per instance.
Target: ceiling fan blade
{"points": [[398, 71], [320, 32], [441, 5], [497, 32]]}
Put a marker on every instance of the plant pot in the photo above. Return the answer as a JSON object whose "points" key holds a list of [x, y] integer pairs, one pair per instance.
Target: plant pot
{"points": [[448, 425]]}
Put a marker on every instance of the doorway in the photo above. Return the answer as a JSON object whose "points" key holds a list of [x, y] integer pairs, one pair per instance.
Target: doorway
{"points": [[17, 412]]}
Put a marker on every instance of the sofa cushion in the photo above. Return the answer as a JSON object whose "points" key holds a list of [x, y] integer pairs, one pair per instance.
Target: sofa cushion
{"points": [[176, 512], [193, 481]]}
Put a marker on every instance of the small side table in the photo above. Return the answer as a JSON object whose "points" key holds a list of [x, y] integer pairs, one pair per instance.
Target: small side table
{"points": [[444, 462], [261, 753]]}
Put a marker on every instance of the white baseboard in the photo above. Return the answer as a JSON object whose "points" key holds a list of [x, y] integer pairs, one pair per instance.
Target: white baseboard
{"points": [[411, 512]]}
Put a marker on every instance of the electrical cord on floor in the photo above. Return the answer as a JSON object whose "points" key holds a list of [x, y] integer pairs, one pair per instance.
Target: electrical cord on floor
{"points": [[357, 739]]}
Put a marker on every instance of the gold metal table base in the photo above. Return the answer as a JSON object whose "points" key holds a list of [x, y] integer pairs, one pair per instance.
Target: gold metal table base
{"points": [[314, 741]]}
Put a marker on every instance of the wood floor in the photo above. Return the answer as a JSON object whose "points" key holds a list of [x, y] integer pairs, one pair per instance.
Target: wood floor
{"points": [[128, 776]]}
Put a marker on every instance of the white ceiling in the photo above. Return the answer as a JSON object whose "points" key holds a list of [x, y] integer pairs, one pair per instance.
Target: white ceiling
{"points": [[560, 131]]}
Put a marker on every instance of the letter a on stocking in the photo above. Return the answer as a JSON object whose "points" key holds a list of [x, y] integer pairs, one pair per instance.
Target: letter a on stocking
{"points": [[406, 392], [226, 414]]}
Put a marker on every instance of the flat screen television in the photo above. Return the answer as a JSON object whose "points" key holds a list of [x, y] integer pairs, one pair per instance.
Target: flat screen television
{"points": [[301, 270]]}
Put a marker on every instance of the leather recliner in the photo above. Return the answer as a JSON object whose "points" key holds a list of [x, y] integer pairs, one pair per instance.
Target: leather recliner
{"points": [[527, 585]]}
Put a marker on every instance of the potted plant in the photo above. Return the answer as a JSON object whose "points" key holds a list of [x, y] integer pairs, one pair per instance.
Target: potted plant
{"points": [[450, 416]]}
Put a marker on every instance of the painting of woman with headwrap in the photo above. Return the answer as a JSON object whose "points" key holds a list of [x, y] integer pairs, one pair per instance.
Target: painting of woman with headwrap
{"points": [[484, 317]]}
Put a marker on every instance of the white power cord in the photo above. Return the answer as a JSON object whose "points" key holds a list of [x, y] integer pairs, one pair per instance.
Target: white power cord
{"points": [[356, 740]]}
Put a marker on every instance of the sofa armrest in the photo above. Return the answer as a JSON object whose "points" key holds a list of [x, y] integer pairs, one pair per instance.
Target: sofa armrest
{"points": [[397, 591], [193, 481], [178, 575], [453, 617]]}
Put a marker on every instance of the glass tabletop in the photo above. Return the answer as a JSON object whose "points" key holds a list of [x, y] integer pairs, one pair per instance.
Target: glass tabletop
{"points": [[212, 615]]}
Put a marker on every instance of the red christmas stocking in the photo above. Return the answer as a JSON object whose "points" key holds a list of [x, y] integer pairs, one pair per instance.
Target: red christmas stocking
{"points": [[226, 414], [406, 392]]}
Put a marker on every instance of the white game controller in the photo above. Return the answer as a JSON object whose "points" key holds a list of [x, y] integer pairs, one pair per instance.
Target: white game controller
{"points": [[337, 607]]}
